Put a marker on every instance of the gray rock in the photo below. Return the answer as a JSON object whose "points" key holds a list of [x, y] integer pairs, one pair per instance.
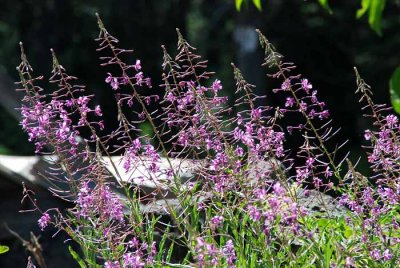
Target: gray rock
{"points": [[317, 202]]}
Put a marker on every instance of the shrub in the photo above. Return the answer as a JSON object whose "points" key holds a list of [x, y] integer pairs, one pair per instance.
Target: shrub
{"points": [[240, 205]]}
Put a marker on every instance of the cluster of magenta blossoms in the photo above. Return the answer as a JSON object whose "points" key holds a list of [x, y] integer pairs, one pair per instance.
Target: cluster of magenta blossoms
{"points": [[242, 205]]}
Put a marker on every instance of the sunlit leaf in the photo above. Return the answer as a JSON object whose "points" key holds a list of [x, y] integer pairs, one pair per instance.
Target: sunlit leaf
{"points": [[325, 4], [375, 15], [4, 249], [375, 9], [364, 8], [394, 87], [238, 4], [76, 257], [323, 222], [257, 3]]}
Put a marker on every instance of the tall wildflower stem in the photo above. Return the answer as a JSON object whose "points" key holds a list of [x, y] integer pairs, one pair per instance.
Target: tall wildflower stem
{"points": [[105, 34], [363, 89], [64, 84], [382, 123], [242, 84], [273, 59], [180, 223], [33, 97], [182, 44], [168, 62]]}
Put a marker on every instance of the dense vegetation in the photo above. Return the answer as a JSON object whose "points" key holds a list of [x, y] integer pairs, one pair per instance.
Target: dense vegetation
{"points": [[243, 209]]}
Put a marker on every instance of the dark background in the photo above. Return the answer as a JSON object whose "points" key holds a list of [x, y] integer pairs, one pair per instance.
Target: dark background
{"points": [[325, 48]]}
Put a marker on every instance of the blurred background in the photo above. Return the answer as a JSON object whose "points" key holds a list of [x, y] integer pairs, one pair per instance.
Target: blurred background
{"points": [[325, 46]]}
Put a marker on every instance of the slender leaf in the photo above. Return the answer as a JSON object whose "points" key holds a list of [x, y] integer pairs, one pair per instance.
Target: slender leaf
{"points": [[76, 257], [394, 88]]}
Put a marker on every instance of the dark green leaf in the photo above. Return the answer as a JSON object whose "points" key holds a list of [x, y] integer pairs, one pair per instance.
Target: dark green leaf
{"points": [[394, 88]]}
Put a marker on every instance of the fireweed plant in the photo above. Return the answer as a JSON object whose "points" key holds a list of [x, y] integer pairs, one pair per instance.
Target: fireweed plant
{"points": [[241, 208]]}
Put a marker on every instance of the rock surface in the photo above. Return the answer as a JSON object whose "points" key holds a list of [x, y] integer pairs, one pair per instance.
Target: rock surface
{"points": [[28, 169]]}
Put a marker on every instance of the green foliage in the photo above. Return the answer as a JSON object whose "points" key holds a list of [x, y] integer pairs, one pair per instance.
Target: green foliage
{"points": [[4, 249], [238, 4], [325, 4], [256, 3], [77, 258], [375, 9], [394, 87]]}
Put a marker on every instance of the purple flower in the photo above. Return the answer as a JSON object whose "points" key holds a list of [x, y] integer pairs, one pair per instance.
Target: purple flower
{"points": [[109, 78], [216, 221], [310, 161], [139, 78], [260, 193], [216, 86], [131, 154], [324, 114], [314, 97], [256, 114], [97, 110], [133, 260], [389, 195], [302, 174], [387, 255], [114, 83], [306, 86], [391, 120], [239, 151], [376, 254], [229, 252], [134, 243], [303, 106], [289, 102], [111, 264], [274, 203], [317, 182], [349, 262], [44, 221], [278, 189], [312, 113], [137, 65], [286, 85], [328, 172], [201, 206], [147, 81], [254, 213], [152, 254], [112, 206]]}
